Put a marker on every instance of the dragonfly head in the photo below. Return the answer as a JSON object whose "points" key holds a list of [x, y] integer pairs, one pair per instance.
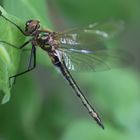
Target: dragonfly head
{"points": [[31, 27]]}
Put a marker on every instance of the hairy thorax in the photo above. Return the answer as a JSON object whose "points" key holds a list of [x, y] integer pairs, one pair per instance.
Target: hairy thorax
{"points": [[47, 41]]}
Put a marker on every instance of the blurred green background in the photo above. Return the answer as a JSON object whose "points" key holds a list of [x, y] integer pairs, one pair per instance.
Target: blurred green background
{"points": [[44, 107]]}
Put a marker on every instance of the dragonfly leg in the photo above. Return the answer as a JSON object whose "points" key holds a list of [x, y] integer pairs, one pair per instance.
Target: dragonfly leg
{"points": [[4, 42], [12, 23], [30, 65], [20, 47]]}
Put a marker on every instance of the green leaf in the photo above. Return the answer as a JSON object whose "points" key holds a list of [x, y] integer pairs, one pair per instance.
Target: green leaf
{"points": [[31, 9], [9, 56]]}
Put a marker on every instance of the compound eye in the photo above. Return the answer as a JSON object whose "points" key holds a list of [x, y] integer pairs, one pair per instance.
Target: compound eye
{"points": [[28, 22]]}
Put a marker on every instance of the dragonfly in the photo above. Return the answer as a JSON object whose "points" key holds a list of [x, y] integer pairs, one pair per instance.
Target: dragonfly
{"points": [[77, 49]]}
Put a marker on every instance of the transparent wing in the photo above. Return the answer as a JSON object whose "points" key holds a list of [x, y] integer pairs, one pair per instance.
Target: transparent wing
{"points": [[96, 61], [89, 38], [85, 49]]}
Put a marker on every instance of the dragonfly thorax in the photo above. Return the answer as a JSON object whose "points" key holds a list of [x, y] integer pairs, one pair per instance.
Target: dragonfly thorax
{"points": [[42, 39], [46, 40]]}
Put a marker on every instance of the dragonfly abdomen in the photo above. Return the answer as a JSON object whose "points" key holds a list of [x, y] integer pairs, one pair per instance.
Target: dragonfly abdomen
{"points": [[79, 93]]}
